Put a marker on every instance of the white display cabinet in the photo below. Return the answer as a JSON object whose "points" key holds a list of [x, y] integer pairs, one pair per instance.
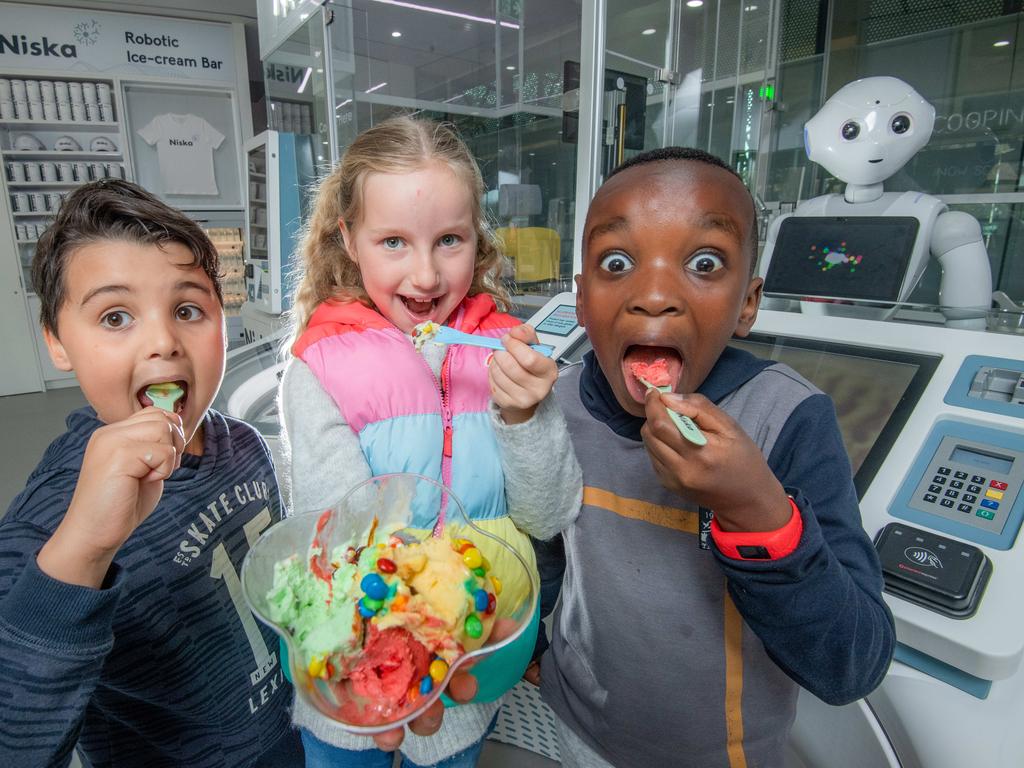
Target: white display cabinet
{"points": [[279, 170], [56, 132]]}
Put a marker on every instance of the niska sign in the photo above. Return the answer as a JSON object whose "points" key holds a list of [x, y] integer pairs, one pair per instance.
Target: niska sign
{"points": [[20, 45], [82, 41]]}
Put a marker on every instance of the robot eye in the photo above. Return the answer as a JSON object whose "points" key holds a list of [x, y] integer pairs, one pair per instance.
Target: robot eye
{"points": [[900, 124], [850, 130]]}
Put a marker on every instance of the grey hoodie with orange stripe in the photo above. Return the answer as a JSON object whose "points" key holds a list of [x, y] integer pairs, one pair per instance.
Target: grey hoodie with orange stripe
{"points": [[664, 654]]}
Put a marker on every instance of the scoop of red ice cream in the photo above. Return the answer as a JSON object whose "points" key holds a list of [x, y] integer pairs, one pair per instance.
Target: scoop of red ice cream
{"points": [[392, 662], [655, 372]]}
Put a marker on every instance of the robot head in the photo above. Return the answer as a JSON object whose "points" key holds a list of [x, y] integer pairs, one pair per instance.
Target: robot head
{"points": [[869, 129]]}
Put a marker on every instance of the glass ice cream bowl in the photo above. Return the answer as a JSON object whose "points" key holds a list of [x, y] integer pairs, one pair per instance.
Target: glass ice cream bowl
{"points": [[382, 598]]}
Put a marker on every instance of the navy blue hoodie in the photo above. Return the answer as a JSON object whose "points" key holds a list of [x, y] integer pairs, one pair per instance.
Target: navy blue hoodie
{"points": [[165, 665]]}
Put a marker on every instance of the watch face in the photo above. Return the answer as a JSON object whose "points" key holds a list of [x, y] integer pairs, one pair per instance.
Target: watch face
{"points": [[748, 552]]}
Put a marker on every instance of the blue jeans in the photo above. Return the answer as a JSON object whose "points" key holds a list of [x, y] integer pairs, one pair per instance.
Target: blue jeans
{"points": [[319, 754]]}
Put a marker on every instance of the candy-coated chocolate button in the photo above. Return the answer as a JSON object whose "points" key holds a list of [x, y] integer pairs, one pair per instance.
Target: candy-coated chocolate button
{"points": [[474, 627], [480, 600], [384, 565], [438, 669], [372, 603], [374, 586], [480, 571], [472, 558], [426, 684], [497, 584], [491, 602]]}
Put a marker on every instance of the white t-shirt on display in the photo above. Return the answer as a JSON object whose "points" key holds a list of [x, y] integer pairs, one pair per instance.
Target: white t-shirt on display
{"points": [[184, 148]]}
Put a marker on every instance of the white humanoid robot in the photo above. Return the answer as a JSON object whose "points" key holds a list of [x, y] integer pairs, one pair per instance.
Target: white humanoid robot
{"points": [[869, 245]]}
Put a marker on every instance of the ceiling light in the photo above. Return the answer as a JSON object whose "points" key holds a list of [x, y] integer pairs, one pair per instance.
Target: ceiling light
{"points": [[649, 31], [694, 3], [305, 79], [445, 12], [396, 33], [1000, 44], [510, 68], [374, 88]]}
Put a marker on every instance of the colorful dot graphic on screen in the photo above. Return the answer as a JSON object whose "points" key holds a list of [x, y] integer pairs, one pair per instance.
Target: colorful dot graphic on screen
{"points": [[829, 256]]}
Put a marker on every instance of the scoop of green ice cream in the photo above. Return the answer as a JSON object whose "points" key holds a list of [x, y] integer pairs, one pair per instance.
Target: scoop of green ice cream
{"points": [[322, 618]]}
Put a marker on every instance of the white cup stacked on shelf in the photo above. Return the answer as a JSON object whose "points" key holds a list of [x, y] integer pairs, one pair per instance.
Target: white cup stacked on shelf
{"points": [[77, 102], [92, 105], [20, 99], [35, 100], [63, 97], [106, 106], [49, 100], [6, 100]]}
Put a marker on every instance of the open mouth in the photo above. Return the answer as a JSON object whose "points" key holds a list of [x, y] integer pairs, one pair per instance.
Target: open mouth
{"points": [[644, 356], [419, 307], [878, 160], [179, 405]]}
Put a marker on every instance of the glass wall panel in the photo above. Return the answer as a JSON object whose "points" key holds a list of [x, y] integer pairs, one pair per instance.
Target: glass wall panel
{"points": [[296, 86], [497, 71]]}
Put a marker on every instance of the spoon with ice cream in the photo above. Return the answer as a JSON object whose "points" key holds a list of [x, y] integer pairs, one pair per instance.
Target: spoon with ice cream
{"points": [[654, 375]]}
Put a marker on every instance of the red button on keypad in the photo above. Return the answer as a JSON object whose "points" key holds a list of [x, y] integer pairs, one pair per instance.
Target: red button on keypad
{"points": [[998, 485]]}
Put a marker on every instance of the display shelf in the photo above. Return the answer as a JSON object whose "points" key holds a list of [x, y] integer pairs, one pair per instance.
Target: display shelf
{"points": [[41, 176], [279, 168], [228, 242], [43, 184], [109, 127], [21, 154]]}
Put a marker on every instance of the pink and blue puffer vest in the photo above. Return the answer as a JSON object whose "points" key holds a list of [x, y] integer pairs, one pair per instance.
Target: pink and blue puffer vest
{"points": [[408, 421]]}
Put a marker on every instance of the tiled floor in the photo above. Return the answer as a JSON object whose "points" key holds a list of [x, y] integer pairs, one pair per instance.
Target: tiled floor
{"points": [[31, 422]]}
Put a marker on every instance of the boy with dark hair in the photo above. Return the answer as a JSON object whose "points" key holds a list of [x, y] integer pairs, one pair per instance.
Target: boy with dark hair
{"points": [[122, 623], [664, 653]]}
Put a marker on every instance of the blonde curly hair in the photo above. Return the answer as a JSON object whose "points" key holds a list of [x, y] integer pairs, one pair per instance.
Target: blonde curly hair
{"points": [[397, 145]]}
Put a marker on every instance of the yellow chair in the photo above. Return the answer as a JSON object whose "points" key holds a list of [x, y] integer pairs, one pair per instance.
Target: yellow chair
{"points": [[535, 252]]}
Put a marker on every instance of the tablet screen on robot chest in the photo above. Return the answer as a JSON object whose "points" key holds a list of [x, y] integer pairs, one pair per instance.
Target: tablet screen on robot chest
{"points": [[842, 257]]}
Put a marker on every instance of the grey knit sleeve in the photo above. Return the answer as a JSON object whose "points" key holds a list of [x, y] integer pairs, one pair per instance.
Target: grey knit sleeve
{"points": [[543, 480], [323, 460]]}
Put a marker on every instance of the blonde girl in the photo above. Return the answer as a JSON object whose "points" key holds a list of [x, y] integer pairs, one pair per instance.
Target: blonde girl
{"points": [[398, 237]]}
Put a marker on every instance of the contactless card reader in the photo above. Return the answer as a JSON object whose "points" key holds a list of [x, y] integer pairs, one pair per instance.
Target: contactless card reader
{"points": [[932, 571]]}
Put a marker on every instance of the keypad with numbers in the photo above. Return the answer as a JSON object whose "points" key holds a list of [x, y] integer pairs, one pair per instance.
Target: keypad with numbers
{"points": [[971, 483]]}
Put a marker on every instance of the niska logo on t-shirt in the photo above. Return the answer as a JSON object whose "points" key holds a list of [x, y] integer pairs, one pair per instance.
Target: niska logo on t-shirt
{"points": [[181, 142], [20, 45]]}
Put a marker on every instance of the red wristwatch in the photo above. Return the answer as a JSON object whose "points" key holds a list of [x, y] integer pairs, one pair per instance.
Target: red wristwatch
{"points": [[760, 545]]}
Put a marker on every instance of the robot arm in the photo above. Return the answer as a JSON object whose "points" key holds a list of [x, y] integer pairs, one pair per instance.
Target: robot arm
{"points": [[965, 292]]}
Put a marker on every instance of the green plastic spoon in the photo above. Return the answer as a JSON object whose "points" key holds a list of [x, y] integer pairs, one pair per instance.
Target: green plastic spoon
{"points": [[685, 424], [164, 396]]}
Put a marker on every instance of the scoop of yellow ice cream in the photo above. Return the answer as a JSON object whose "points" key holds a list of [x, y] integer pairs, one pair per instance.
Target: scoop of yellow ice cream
{"points": [[438, 575]]}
